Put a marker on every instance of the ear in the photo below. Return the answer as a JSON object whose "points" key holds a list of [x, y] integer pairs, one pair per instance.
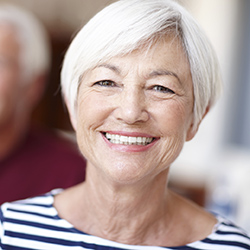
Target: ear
{"points": [[72, 114], [193, 129]]}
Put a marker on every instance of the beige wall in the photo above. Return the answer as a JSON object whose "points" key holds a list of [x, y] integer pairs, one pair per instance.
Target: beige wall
{"points": [[62, 16]]}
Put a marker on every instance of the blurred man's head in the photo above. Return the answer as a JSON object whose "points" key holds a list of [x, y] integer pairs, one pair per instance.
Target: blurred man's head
{"points": [[24, 62]]}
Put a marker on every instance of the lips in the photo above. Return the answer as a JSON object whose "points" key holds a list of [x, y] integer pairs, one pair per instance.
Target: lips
{"points": [[128, 140]]}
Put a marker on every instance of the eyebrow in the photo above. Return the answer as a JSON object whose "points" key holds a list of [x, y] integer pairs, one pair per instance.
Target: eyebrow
{"points": [[111, 67], [153, 74], [164, 73]]}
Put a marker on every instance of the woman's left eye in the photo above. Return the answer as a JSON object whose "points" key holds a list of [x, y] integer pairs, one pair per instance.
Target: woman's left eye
{"points": [[162, 89], [105, 83]]}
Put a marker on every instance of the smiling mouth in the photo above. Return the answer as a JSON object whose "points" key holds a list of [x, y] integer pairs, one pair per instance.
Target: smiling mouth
{"points": [[128, 140]]}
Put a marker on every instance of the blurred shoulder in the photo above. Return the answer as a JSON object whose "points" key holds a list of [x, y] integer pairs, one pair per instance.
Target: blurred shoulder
{"points": [[53, 138], [55, 145]]}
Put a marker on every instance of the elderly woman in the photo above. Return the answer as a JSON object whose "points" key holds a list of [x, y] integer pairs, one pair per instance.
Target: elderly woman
{"points": [[138, 80]]}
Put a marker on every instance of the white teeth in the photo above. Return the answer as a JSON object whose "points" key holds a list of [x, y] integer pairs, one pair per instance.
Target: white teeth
{"points": [[132, 140], [128, 140]]}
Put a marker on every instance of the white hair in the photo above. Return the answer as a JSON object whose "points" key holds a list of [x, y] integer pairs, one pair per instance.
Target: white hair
{"points": [[32, 37], [127, 25]]}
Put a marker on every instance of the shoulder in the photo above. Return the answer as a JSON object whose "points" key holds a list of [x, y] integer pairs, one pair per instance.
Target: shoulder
{"points": [[209, 231], [14, 211], [30, 222], [25, 209], [228, 235], [52, 138], [17, 217], [53, 147]]}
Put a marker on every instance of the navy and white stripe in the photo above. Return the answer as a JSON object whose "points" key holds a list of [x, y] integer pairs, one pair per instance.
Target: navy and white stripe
{"points": [[34, 224]]}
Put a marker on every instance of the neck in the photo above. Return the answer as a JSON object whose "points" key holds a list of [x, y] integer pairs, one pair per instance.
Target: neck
{"points": [[124, 213]]}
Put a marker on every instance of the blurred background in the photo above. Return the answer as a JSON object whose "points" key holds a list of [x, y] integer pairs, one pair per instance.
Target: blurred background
{"points": [[214, 168]]}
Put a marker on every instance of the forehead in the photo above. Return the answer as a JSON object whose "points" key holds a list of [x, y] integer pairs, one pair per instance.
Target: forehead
{"points": [[166, 54], [8, 38]]}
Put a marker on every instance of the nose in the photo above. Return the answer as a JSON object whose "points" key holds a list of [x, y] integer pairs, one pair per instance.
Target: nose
{"points": [[131, 106]]}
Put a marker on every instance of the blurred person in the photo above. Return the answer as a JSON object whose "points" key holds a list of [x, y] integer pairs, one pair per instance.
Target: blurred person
{"points": [[32, 161], [138, 79]]}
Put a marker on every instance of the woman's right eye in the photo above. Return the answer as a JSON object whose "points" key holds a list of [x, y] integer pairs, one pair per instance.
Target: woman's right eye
{"points": [[105, 83]]}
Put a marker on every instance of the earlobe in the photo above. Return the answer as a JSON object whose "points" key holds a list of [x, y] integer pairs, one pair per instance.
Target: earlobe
{"points": [[192, 132], [194, 128]]}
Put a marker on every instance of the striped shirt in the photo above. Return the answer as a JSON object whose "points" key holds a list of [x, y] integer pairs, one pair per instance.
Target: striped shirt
{"points": [[34, 224]]}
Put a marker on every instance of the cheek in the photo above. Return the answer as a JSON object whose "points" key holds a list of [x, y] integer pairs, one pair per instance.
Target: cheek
{"points": [[174, 118], [171, 150], [91, 110], [174, 130], [7, 89], [174, 126], [9, 97], [10, 84], [91, 114]]}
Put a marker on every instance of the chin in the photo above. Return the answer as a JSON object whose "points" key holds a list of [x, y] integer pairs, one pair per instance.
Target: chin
{"points": [[126, 174]]}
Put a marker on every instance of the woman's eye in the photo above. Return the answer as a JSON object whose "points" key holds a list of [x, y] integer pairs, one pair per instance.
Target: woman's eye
{"points": [[105, 83], [162, 89]]}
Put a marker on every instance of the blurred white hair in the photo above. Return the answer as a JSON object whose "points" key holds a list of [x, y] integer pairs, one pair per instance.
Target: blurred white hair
{"points": [[32, 37], [126, 25]]}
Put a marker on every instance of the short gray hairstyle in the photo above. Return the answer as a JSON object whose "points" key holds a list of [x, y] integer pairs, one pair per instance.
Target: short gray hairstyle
{"points": [[32, 37], [126, 25]]}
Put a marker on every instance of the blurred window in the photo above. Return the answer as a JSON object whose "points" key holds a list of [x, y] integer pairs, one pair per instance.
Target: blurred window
{"points": [[239, 113]]}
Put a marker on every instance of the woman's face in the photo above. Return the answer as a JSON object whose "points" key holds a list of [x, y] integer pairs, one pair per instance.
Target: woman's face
{"points": [[135, 112]]}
